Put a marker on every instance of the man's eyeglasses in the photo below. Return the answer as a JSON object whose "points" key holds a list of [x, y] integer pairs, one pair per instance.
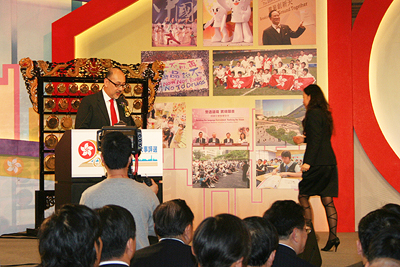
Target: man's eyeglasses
{"points": [[123, 85], [308, 229]]}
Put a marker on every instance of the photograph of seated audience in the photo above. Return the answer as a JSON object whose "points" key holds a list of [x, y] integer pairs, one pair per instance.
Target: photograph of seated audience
{"points": [[173, 223], [288, 218], [264, 241], [118, 236], [278, 72], [119, 189], [222, 241], [220, 168], [70, 237]]}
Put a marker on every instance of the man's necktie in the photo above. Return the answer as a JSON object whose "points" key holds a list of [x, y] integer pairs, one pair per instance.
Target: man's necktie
{"points": [[114, 119], [287, 168]]}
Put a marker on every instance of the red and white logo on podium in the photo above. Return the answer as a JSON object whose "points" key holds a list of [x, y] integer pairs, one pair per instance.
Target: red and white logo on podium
{"points": [[87, 149]]}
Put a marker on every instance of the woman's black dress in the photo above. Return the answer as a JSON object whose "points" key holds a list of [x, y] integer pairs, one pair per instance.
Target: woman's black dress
{"points": [[322, 177]]}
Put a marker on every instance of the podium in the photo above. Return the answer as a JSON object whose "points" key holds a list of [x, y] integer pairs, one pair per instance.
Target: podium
{"points": [[79, 166]]}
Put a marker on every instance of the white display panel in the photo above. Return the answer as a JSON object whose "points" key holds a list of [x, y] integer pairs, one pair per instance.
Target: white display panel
{"points": [[86, 160]]}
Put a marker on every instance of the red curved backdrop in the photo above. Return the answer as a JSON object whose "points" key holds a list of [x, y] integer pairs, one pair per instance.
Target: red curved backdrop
{"points": [[348, 90], [365, 123]]}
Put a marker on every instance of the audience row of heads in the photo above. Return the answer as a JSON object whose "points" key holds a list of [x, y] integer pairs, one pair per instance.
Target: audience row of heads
{"points": [[75, 235]]}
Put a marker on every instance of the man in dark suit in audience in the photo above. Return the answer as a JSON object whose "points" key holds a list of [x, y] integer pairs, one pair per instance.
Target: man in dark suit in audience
{"points": [[369, 226], [70, 237], [105, 107], [173, 223], [118, 236], [384, 250], [288, 218]]}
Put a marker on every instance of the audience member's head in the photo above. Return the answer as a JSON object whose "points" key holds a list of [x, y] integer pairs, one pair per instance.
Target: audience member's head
{"points": [[392, 207], [70, 237], [222, 241], [385, 244], [118, 234], [174, 219], [116, 149], [264, 241], [384, 262], [288, 218], [370, 225]]}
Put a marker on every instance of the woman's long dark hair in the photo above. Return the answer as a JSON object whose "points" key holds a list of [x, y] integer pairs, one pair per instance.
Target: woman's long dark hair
{"points": [[318, 100]]}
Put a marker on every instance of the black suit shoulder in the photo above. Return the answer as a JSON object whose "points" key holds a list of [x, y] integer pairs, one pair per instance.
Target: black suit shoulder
{"points": [[166, 253], [285, 256]]}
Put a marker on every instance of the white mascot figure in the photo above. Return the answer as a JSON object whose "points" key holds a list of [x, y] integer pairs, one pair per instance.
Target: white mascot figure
{"points": [[219, 19], [241, 12]]}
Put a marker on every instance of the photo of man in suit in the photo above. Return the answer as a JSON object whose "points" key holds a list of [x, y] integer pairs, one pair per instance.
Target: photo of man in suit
{"points": [[228, 138], [280, 34], [214, 139], [106, 107], [200, 139]]}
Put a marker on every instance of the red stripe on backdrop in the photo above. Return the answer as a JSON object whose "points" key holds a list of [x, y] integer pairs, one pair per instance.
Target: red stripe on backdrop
{"points": [[340, 100], [365, 123], [65, 29]]}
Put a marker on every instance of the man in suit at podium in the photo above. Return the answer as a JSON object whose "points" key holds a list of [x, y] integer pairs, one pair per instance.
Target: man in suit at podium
{"points": [[174, 225], [118, 236], [106, 107], [119, 189]]}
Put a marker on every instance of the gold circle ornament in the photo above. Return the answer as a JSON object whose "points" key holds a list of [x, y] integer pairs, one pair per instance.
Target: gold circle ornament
{"points": [[127, 89], [66, 123], [51, 141], [50, 162], [49, 88], [138, 90], [63, 104], [50, 104], [95, 87], [52, 122], [137, 104], [84, 88], [75, 103], [61, 88], [73, 88]]}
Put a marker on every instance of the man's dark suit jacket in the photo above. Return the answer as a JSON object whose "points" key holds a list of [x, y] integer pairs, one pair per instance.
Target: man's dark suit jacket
{"points": [[272, 37], [286, 256], [200, 140], [211, 140], [113, 265], [92, 113], [166, 253], [226, 140]]}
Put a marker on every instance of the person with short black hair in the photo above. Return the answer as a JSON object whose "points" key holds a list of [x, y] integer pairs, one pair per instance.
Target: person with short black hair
{"points": [[280, 34], [174, 226], [70, 237], [393, 207], [222, 241], [118, 236], [264, 241], [369, 226], [288, 218], [288, 168], [385, 245], [119, 189]]}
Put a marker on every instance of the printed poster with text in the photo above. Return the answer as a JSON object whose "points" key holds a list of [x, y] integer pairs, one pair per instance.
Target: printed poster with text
{"points": [[221, 127]]}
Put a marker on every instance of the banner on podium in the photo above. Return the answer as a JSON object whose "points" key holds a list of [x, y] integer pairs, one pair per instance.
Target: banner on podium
{"points": [[86, 160]]}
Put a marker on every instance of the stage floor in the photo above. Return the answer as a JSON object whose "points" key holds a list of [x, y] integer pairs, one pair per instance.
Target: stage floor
{"points": [[23, 251]]}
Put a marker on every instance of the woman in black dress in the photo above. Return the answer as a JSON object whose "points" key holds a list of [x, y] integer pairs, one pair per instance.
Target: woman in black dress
{"points": [[320, 176]]}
